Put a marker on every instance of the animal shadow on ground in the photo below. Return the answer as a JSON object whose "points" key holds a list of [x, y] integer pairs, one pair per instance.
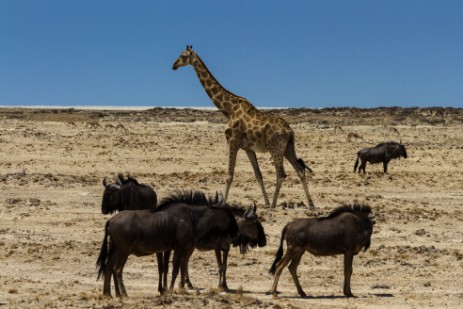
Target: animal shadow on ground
{"points": [[382, 295]]}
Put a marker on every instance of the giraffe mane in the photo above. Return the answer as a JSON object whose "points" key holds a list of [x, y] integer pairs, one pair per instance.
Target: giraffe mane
{"points": [[218, 83]]}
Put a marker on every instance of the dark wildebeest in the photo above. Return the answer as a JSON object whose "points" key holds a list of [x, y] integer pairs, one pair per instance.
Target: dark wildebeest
{"points": [[383, 152], [127, 194], [145, 232], [250, 234], [346, 230]]}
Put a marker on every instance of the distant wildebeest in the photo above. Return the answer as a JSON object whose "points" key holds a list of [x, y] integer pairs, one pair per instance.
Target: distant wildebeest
{"points": [[127, 194], [168, 227], [250, 234], [346, 230], [383, 152], [351, 135]]}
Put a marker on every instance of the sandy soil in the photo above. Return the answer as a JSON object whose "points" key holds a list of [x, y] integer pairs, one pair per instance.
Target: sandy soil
{"points": [[53, 163]]}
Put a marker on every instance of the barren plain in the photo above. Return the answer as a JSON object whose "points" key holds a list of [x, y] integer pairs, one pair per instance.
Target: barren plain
{"points": [[53, 162]]}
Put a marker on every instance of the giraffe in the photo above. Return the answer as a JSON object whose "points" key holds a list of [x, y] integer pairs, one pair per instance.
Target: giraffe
{"points": [[250, 130]]}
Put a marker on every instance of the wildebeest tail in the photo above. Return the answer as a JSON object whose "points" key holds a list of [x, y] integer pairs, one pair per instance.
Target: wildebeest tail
{"points": [[356, 163], [279, 253], [102, 259]]}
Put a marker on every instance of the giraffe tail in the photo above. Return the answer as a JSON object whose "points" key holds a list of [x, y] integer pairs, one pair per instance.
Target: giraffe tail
{"points": [[302, 163]]}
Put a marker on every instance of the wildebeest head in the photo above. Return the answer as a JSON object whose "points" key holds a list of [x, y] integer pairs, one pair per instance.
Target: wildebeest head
{"points": [[112, 200], [251, 231], [127, 194], [402, 150], [395, 150]]}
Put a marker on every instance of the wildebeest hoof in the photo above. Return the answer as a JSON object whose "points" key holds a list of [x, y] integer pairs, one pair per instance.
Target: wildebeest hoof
{"points": [[224, 289]]}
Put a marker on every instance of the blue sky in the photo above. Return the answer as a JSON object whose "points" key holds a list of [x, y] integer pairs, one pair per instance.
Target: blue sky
{"points": [[297, 53]]}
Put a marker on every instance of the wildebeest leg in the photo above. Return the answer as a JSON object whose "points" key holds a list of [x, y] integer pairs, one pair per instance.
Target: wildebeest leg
{"points": [[184, 268], [385, 166], [116, 284], [160, 259], [290, 155], [363, 165], [185, 276], [165, 269], [176, 262], [187, 279], [218, 257], [120, 263], [108, 273], [293, 271], [255, 165], [222, 266], [224, 270], [279, 268], [348, 259]]}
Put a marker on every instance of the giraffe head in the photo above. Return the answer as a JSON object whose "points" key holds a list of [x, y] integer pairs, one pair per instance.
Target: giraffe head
{"points": [[186, 57]]}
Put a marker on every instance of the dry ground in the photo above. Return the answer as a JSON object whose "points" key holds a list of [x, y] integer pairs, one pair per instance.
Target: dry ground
{"points": [[53, 163]]}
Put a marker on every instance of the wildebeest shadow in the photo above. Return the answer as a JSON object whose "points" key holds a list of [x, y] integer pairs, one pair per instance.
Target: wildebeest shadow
{"points": [[332, 296], [240, 291]]}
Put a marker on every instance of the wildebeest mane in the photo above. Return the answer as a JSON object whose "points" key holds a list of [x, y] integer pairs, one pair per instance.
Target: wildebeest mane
{"points": [[190, 197], [387, 143], [237, 209], [349, 208], [216, 229]]}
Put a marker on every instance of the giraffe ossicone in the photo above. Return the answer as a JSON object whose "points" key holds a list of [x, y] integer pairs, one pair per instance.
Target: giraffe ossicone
{"points": [[249, 129]]}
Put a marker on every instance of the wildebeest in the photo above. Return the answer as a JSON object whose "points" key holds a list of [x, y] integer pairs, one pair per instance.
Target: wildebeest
{"points": [[127, 194], [383, 152], [145, 232], [250, 234], [346, 230]]}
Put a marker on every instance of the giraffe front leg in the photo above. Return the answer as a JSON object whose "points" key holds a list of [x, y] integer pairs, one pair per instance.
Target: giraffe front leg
{"points": [[255, 165]]}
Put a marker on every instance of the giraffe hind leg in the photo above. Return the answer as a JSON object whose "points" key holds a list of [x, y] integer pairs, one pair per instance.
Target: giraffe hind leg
{"points": [[300, 166], [233, 152], [255, 165], [277, 157]]}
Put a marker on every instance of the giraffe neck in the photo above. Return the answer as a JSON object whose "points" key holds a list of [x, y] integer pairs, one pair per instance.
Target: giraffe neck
{"points": [[223, 99]]}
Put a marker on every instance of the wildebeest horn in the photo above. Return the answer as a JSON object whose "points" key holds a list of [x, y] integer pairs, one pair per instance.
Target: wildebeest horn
{"points": [[120, 178], [250, 213], [105, 182], [246, 213], [219, 198], [254, 208]]}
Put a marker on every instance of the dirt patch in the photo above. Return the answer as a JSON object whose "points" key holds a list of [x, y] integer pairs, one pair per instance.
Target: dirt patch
{"points": [[54, 161]]}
